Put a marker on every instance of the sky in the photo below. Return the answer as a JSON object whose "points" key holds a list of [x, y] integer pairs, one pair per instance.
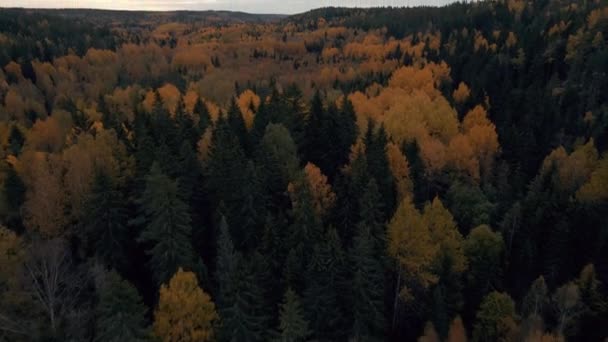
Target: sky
{"points": [[251, 6]]}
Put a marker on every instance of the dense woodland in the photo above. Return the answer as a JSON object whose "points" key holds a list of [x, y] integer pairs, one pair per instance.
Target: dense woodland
{"points": [[387, 174]]}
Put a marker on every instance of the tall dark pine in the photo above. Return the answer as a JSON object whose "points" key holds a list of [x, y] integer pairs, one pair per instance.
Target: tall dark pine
{"points": [[240, 297], [225, 174], [186, 130], [16, 140], [293, 326], [377, 164], [367, 287], [237, 124], [412, 153], [105, 222], [166, 221], [204, 118], [120, 314], [324, 288], [315, 147]]}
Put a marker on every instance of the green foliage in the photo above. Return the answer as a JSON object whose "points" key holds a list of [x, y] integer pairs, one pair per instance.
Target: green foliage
{"points": [[484, 250], [120, 313], [166, 222], [105, 221], [495, 318], [293, 327]]}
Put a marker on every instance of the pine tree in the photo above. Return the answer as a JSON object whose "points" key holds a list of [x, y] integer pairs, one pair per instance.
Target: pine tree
{"points": [[377, 164], [16, 140], [224, 173], [14, 189], [105, 221], [314, 148], [324, 279], [293, 327], [167, 226], [237, 124], [186, 130], [367, 286], [120, 312], [204, 118]]}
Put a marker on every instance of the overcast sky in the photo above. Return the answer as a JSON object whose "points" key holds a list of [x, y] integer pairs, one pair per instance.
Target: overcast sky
{"points": [[252, 6]]}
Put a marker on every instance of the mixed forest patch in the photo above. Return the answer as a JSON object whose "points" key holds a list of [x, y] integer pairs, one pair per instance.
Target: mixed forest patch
{"points": [[430, 174]]}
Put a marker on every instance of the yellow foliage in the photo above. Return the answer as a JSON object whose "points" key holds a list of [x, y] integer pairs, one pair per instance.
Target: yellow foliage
{"points": [[433, 154], [480, 42], [47, 135], [83, 159], [516, 6], [330, 53], [430, 334], [596, 188], [411, 245], [444, 232], [170, 96], [457, 332], [45, 199], [410, 78], [511, 40], [190, 99], [247, 101], [478, 116], [13, 69], [596, 16], [462, 157], [573, 44], [185, 312], [323, 197], [400, 170], [558, 28], [575, 169], [462, 93]]}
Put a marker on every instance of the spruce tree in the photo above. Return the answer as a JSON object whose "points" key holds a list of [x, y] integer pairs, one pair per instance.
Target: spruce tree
{"points": [[324, 284], [105, 221], [16, 140], [237, 124], [293, 327], [204, 118], [120, 313], [225, 171], [377, 163], [367, 286], [167, 229]]}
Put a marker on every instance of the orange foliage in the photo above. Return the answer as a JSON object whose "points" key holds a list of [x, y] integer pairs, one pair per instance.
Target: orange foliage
{"points": [[45, 201], [462, 93], [323, 197], [247, 101], [462, 157], [400, 170]]}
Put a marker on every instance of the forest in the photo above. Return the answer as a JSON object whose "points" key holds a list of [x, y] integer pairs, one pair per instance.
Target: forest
{"points": [[384, 174]]}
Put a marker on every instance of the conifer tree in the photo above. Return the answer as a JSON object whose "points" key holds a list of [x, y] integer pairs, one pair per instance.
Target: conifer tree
{"points": [[237, 124], [120, 312], [293, 327], [167, 229], [225, 179], [367, 286], [105, 221], [324, 283], [377, 164]]}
